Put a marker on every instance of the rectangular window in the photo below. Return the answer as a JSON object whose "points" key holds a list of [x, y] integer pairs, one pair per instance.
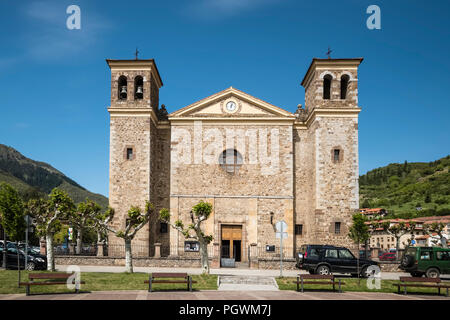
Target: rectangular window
{"points": [[129, 153], [337, 227], [443, 255], [426, 255], [163, 227], [299, 229], [331, 253], [336, 155]]}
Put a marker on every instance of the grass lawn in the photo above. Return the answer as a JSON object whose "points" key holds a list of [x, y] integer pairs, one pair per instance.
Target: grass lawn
{"points": [[351, 284], [103, 281]]}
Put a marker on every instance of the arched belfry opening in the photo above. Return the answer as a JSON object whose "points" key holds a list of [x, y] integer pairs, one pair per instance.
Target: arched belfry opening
{"points": [[327, 86], [138, 88], [122, 88], [344, 86]]}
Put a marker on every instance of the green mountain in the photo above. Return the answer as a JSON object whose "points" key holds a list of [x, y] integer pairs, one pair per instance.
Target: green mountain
{"points": [[36, 179], [408, 190]]}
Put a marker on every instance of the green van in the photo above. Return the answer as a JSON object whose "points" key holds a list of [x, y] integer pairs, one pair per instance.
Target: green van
{"points": [[429, 261]]}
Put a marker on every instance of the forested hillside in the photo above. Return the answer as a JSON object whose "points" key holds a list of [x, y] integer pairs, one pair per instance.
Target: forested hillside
{"points": [[36, 179], [408, 190]]}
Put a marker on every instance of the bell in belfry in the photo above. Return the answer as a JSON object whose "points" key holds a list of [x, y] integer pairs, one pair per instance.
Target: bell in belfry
{"points": [[139, 92], [123, 92]]}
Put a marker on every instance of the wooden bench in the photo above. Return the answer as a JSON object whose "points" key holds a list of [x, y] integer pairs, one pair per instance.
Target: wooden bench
{"points": [[169, 278], [420, 282], [303, 279], [53, 277]]}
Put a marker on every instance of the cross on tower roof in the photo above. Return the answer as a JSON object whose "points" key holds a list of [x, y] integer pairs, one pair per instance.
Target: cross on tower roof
{"points": [[136, 53], [329, 52]]}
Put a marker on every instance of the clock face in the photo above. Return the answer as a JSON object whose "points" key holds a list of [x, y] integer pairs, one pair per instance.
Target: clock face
{"points": [[231, 106]]}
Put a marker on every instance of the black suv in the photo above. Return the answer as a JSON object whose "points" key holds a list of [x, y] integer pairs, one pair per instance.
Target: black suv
{"points": [[326, 259], [35, 261]]}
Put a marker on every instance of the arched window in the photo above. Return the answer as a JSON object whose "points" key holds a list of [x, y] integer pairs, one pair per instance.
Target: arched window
{"points": [[344, 86], [230, 160], [327, 86], [122, 88], [138, 88]]}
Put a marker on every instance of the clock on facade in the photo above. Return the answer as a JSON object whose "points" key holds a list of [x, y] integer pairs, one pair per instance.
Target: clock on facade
{"points": [[231, 106]]}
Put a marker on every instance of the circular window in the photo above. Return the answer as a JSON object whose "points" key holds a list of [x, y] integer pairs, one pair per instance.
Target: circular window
{"points": [[230, 160]]}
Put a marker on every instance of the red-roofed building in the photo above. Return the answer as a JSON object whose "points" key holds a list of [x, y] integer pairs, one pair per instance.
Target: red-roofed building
{"points": [[373, 213]]}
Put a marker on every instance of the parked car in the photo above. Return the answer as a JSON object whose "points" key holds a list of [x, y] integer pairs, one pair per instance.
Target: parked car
{"points": [[327, 259], [429, 261], [388, 256], [34, 261]]}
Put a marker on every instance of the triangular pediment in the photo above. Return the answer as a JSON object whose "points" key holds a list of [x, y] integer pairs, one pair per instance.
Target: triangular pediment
{"points": [[231, 103]]}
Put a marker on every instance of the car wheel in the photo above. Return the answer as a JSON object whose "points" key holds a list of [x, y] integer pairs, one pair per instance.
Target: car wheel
{"points": [[31, 266], [433, 273], [311, 271], [365, 273], [323, 270]]}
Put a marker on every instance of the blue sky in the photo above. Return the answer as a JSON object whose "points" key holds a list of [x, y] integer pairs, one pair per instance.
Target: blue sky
{"points": [[55, 84]]}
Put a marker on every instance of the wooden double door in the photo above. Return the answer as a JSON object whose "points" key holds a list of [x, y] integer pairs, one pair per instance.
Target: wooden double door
{"points": [[231, 246]]}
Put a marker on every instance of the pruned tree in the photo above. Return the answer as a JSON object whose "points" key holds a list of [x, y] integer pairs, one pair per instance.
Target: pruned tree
{"points": [[397, 230], [359, 233], [199, 213], [135, 221], [437, 227], [83, 218], [47, 215], [11, 216], [101, 221]]}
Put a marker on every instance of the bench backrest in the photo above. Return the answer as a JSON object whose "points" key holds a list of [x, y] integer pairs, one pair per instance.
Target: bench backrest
{"points": [[49, 275], [168, 275], [317, 276], [419, 279]]}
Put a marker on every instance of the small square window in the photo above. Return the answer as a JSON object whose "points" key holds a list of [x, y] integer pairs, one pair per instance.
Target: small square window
{"points": [[129, 153], [163, 227], [298, 229], [337, 228], [336, 153]]}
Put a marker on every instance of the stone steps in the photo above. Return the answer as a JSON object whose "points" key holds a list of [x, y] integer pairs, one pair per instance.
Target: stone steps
{"points": [[247, 283]]}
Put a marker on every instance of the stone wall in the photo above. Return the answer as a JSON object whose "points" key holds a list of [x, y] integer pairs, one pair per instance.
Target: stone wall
{"points": [[129, 182]]}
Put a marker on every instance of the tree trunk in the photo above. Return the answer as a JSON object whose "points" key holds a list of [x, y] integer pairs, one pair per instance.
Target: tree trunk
{"points": [[50, 259], [366, 249], [5, 256], [204, 257], [128, 256], [444, 241], [397, 247], [79, 241], [357, 262]]}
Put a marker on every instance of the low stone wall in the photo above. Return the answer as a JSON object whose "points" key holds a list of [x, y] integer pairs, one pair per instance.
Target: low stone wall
{"points": [[137, 261], [174, 262], [270, 264], [164, 262], [389, 267]]}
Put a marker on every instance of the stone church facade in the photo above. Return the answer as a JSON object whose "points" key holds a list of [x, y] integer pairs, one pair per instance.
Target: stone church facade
{"points": [[256, 163]]}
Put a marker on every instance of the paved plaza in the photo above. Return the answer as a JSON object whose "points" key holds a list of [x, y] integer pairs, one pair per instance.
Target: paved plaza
{"points": [[223, 295]]}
